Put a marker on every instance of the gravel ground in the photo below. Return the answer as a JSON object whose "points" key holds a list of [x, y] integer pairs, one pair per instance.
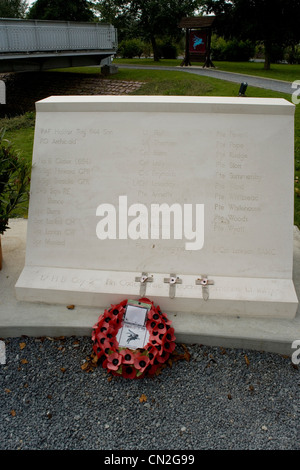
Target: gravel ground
{"points": [[218, 399]]}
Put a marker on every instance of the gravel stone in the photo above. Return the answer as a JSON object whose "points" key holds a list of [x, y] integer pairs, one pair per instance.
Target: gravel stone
{"points": [[48, 402]]}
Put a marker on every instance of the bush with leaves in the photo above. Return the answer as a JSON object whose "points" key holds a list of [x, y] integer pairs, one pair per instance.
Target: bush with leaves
{"points": [[167, 50], [131, 48], [232, 50], [292, 54], [14, 181]]}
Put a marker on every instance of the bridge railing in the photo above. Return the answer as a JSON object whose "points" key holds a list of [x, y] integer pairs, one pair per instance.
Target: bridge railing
{"points": [[46, 36]]}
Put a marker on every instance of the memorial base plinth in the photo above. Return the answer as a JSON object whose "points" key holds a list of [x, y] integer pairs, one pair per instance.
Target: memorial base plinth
{"points": [[227, 296]]}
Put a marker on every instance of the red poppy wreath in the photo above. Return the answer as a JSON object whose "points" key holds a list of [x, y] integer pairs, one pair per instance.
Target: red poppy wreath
{"points": [[127, 362]]}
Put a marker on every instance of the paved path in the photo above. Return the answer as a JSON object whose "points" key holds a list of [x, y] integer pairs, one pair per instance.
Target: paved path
{"points": [[260, 82]]}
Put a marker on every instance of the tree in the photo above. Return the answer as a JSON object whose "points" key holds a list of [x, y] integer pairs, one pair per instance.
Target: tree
{"points": [[272, 22], [13, 8], [119, 14], [149, 19], [65, 10]]}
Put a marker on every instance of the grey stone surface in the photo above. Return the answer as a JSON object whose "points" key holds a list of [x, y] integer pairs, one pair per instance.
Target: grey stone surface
{"points": [[221, 399]]}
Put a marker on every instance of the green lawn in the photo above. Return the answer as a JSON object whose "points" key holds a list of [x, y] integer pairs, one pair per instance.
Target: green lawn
{"points": [[284, 72], [20, 130]]}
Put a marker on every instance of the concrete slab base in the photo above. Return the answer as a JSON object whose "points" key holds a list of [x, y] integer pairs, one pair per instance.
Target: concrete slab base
{"points": [[41, 319], [107, 70]]}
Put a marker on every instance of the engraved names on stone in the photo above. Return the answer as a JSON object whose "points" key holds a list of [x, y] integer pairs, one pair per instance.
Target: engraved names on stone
{"points": [[235, 198], [222, 153]]}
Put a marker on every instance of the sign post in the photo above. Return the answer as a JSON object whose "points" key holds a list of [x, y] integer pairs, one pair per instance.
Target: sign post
{"points": [[198, 40]]}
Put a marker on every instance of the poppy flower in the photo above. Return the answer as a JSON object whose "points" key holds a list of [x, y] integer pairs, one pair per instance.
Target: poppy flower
{"points": [[151, 324], [128, 371], [169, 346], [153, 340], [160, 338], [152, 353], [107, 317], [106, 346], [117, 310], [144, 300], [111, 334], [111, 320], [167, 336], [98, 351], [153, 334], [97, 326], [159, 329], [114, 307], [123, 304], [170, 335], [127, 355], [103, 328], [110, 331], [114, 361], [141, 362], [163, 357], [166, 320], [101, 334], [153, 368], [153, 315], [104, 363], [114, 343]]}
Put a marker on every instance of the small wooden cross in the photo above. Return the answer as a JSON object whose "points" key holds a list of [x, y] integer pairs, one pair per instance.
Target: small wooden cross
{"points": [[204, 282], [143, 279], [172, 280]]}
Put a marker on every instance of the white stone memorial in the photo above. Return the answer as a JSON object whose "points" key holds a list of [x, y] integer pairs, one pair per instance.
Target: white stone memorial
{"points": [[185, 200]]}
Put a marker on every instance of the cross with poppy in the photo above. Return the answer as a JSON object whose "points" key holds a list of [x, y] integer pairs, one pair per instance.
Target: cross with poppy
{"points": [[204, 282], [143, 279], [172, 281]]}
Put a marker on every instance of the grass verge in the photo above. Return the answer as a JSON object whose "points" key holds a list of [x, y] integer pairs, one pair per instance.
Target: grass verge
{"points": [[285, 72]]}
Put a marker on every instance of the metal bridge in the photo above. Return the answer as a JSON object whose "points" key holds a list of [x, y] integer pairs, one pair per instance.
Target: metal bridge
{"points": [[36, 45]]}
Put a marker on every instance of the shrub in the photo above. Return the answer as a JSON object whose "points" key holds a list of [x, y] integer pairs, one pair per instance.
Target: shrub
{"points": [[14, 181], [292, 55], [130, 48], [168, 51], [232, 50]]}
